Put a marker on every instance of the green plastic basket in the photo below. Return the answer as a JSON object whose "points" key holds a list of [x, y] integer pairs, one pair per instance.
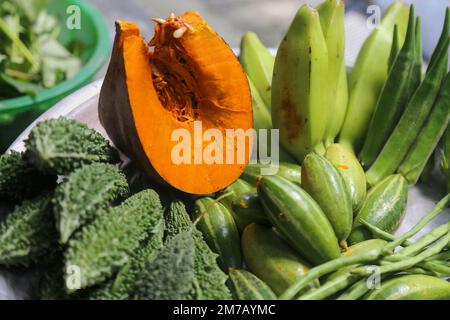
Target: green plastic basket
{"points": [[16, 114]]}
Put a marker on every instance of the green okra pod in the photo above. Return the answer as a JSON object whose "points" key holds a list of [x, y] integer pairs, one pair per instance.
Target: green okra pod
{"points": [[429, 136], [393, 97], [411, 122]]}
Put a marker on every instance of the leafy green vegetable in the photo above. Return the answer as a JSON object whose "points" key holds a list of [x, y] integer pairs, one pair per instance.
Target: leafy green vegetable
{"points": [[209, 280], [19, 180], [59, 146], [170, 275], [103, 247], [28, 233], [31, 57], [85, 192]]}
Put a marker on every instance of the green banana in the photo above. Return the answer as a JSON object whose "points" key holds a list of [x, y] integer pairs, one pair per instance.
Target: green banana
{"points": [[262, 119], [299, 99], [261, 115], [369, 75], [257, 62], [331, 14]]}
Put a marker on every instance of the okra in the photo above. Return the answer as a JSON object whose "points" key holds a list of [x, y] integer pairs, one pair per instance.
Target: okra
{"points": [[393, 97], [411, 122], [429, 137]]}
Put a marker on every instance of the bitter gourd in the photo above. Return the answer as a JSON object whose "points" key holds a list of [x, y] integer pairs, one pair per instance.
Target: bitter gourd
{"points": [[84, 194], [103, 247], [170, 275], [209, 280], [59, 146], [122, 286], [27, 233], [19, 180]]}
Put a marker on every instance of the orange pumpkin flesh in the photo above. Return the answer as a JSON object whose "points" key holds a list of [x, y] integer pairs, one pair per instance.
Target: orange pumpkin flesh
{"points": [[190, 75]]}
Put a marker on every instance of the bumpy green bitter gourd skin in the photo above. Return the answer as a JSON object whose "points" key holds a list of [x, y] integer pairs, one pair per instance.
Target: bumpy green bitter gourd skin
{"points": [[103, 247], [84, 194], [59, 146], [19, 180], [27, 233], [123, 285], [209, 280], [170, 275]]}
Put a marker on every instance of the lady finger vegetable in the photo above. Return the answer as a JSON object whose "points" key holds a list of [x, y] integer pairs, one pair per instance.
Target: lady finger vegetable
{"points": [[429, 136], [411, 122], [393, 97], [261, 115]]}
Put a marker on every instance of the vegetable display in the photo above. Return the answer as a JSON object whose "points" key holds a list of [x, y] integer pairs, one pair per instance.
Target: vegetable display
{"points": [[310, 225]]}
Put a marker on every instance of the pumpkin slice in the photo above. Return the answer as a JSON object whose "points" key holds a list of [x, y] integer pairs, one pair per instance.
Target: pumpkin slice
{"points": [[158, 99]]}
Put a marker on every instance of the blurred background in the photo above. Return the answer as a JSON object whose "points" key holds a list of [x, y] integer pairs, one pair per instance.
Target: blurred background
{"points": [[268, 18]]}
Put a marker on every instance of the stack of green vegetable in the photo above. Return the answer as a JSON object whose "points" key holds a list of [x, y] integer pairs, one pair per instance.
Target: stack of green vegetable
{"points": [[283, 236], [393, 115], [103, 242], [31, 57]]}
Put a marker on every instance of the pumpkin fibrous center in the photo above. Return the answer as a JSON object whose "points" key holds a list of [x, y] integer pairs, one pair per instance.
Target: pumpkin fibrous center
{"points": [[173, 77]]}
